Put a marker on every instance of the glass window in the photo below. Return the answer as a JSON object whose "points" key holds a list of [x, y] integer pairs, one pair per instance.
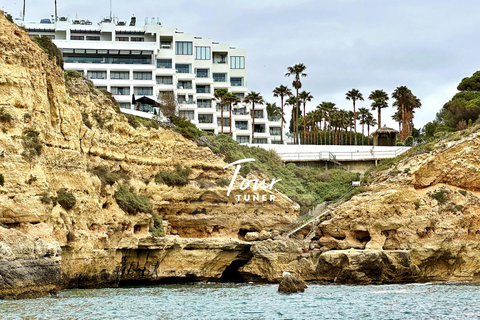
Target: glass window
{"points": [[93, 38], [260, 140], [145, 91], [77, 38], [236, 82], [203, 89], [240, 95], [122, 75], [204, 103], [237, 62], [258, 114], [97, 74], [106, 58], [184, 85], [189, 114], [183, 68], [125, 105], [202, 53], [164, 63], [205, 118], [243, 139], [203, 73], [225, 108], [240, 111], [183, 47], [165, 44], [260, 128], [275, 131], [121, 39], [164, 79], [142, 75], [137, 39], [219, 77], [226, 121], [120, 91], [241, 125]]}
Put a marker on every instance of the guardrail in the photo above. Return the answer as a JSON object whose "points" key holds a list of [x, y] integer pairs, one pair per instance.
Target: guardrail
{"points": [[342, 155]]}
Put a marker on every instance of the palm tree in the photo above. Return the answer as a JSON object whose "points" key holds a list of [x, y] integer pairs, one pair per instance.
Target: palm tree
{"points": [[282, 92], [363, 115], [370, 121], [342, 115], [304, 97], [219, 96], [319, 116], [253, 97], [406, 101], [297, 71], [350, 124], [354, 95], [328, 108], [230, 99], [380, 99], [292, 101], [397, 117]]}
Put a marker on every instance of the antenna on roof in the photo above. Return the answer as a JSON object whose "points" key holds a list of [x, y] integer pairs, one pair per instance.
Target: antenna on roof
{"points": [[111, 10], [55, 10], [23, 14]]}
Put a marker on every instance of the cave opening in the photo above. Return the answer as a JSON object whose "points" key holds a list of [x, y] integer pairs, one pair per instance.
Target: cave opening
{"points": [[232, 274]]}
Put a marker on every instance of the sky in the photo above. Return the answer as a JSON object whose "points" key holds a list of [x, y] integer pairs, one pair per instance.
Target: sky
{"points": [[426, 45]]}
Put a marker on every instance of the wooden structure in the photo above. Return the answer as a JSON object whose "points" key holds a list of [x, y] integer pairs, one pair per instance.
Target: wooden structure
{"points": [[385, 137]]}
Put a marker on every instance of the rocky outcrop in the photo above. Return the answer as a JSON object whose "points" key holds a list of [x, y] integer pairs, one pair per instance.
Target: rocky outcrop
{"points": [[29, 266], [290, 284]]}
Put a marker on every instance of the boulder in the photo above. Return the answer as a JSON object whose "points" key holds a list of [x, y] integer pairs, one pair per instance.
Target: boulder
{"points": [[290, 284], [251, 236]]}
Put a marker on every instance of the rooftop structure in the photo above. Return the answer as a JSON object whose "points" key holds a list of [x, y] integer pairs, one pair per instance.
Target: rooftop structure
{"points": [[127, 59]]}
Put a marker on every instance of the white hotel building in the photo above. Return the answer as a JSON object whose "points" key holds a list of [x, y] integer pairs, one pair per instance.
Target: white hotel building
{"points": [[126, 59]]}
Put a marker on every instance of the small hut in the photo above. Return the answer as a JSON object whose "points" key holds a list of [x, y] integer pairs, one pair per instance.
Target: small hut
{"points": [[385, 137]]}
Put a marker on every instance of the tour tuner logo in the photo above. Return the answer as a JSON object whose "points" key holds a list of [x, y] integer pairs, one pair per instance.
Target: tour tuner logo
{"points": [[256, 184]]}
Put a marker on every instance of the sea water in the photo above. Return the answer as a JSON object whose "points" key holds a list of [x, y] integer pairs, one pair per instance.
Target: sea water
{"points": [[254, 301]]}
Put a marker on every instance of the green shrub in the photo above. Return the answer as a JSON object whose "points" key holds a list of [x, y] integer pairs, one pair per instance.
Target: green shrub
{"points": [[109, 178], [408, 141], [2, 180], [27, 117], [66, 199], [111, 98], [99, 119], [46, 199], [50, 48], [417, 205], [429, 147], [9, 17], [222, 182], [463, 192], [5, 117], [132, 121], [131, 202], [157, 229], [86, 120], [186, 128], [31, 144], [440, 196], [399, 144], [178, 178], [456, 208], [72, 74]]}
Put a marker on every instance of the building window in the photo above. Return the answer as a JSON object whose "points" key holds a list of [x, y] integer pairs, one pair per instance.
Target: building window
{"points": [[260, 140], [142, 75], [97, 74], [120, 91], [243, 139], [125, 105], [203, 89], [259, 128], [204, 103], [137, 39], [202, 53], [240, 111], [183, 68], [203, 73], [145, 91], [184, 85], [258, 114], [236, 82], [164, 63], [183, 47], [237, 62], [93, 38], [275, 131], [189, 114], [77, 38], [121, 39], [226, 121], [225, 108], [165, 44], [240, 95], [119, 75], [164, 80], [219, 77], [205, 118], [241, 125]]}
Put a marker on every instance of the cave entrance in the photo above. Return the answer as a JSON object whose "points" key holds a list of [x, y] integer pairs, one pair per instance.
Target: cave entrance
{"points": [[231, 273]]}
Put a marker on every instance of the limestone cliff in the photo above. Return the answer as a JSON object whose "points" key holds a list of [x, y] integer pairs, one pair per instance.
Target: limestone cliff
{"points": [[100, 243]]}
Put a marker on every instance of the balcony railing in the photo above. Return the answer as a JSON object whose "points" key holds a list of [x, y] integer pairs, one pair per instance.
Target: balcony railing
{"points": [[184, 86], [241, 127], [240, 113], [187, 102], [274, 118]]}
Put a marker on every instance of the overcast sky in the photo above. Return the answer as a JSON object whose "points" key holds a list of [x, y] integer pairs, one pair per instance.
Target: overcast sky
{"points": [[428, 46]]}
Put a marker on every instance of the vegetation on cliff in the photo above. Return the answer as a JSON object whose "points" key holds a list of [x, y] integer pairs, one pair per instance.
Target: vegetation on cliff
{"points": [[51, 49], [132, 202]]}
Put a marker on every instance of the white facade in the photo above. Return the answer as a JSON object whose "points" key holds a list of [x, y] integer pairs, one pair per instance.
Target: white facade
{"points": [[147, 60]]}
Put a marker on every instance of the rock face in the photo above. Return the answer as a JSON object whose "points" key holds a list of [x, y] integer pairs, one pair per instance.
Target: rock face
{"points": [[101, 244], [290, 284]]}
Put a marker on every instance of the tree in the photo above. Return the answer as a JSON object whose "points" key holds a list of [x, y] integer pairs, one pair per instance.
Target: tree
{"points": [[168, 104], [304, 98], [273, 111], [253, 97], [354, 95], [297, 71], [282, 92], [370, 122], [219, 96], [363, 115], [380, 99], [292, 101], [319, 116], [230, 99], [407, 102], [397, 117], [350, 125], [328, 108]]}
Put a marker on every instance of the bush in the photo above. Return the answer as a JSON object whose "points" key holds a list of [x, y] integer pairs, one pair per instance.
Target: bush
{"points": [[27, 117], [222, 182], [205, 184], [99, 119], [86, 121], [186, 128], [2, 180], [108, 177], [463, 192], [46, 199], [31, 144], [50, 48], [440, 196], [5, 117], [157, 229], [66, 199], [9, 17], [72, 74], [408, 141], [179, 178], [131, 202], [132, 121]]}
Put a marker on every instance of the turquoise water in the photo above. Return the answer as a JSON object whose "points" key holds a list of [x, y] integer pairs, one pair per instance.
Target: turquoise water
{"points": [[253, 301]]}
